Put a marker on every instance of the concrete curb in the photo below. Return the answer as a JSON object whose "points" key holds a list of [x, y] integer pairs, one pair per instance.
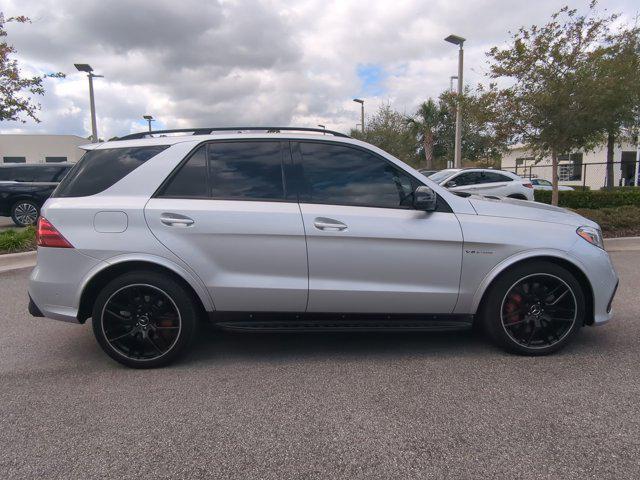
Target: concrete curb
{"points": [[16, 261], [622, 244]]}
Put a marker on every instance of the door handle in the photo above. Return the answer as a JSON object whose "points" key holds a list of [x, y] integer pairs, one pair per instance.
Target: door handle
{"points": [[328, 224], [176, 220]]}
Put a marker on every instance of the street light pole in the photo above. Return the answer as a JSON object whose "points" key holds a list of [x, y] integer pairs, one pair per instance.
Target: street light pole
{"points": [[149, 119], [83, 67], [361, 102], [323, 128], [456, 40]]}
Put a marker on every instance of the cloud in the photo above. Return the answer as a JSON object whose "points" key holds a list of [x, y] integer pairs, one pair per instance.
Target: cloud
{"points": [[232, 62]]}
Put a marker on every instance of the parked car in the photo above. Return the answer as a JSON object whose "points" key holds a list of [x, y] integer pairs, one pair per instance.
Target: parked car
{"points": [[541, 184], [24, 188], [427, 173], [482, 181], [276, 230]]}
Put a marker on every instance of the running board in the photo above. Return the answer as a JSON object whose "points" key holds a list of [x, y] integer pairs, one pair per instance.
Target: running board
{"points": [[344, 323]]}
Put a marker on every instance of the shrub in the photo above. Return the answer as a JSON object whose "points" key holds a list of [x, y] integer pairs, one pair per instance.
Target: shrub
{"points": [[592, 198], [616, 222], [17, 240]]}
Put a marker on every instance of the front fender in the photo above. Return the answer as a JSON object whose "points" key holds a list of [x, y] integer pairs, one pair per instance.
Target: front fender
{"points": [[517, 258]]}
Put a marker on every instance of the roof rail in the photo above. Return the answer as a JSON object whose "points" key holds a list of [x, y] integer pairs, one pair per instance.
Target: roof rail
{"points": [[208, 131]]}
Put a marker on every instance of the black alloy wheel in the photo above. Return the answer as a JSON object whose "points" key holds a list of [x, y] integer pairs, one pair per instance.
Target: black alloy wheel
{"points": [[538, 311], [534, 308], [144, 319]]}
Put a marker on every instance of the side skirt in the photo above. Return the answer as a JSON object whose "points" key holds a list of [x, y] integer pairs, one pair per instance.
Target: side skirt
{"points": [[337, 322]]}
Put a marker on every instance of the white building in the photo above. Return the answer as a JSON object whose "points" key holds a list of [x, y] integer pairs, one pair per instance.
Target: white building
{"points": [[27, 148], [579, 167]]}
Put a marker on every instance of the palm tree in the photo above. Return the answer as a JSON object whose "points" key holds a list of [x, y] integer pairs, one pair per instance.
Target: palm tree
{"points": [[424, 125]]}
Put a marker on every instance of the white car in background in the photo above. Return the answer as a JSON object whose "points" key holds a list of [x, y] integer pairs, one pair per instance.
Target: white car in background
{"points": [[541, 184], [484, 181]]}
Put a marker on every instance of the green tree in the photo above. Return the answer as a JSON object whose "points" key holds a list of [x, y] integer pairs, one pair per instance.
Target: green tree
{"points": [[426, 125], [550, 105], [483, 137], [17, 92], [616, 71], [387, 129]]}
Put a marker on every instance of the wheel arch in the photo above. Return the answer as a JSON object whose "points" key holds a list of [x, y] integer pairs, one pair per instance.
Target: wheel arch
{"points": [[573, 267], [98, 279]]}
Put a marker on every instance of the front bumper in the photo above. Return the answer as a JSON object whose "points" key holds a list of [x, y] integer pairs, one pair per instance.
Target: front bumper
{"points": [[33, 308], [597, 266]]}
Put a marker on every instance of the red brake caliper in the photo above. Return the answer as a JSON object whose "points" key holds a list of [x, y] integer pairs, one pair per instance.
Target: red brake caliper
{"points": [[514, 303]]}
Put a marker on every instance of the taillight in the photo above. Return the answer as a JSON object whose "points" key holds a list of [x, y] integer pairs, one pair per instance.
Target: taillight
{"points": [[48, 236], [528, 185]]}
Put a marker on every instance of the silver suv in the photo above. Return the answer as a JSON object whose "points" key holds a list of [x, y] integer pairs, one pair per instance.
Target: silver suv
{"points": [[290, 229]]}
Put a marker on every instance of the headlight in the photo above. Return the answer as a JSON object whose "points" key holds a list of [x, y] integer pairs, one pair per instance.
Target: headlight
{"points": [[591, 235]]}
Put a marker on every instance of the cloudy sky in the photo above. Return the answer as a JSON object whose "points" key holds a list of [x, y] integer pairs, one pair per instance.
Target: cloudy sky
{"points": [[219, 63]]}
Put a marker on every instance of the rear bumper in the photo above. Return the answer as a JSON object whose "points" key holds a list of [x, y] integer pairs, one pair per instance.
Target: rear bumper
{"points": [[56, 283]]}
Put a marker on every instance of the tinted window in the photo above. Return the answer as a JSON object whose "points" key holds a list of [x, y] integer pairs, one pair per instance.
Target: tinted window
{"points": [[25, 174], [99, 169], [7, 174], [45, 174], [468, 178], [191, 179], [336, 174], [246, 170], [489, 177]]}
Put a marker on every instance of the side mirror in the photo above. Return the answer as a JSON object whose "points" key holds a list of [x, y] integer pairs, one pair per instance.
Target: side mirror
{"points": [[424, 198], [450, 184]]}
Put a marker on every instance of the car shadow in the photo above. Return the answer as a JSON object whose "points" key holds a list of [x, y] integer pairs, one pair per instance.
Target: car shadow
{"points": [[216, 344]]}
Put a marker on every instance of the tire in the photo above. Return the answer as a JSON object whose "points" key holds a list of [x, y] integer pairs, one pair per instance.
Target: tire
{"points": [[533, 309], [144, 319], [25, 213]]}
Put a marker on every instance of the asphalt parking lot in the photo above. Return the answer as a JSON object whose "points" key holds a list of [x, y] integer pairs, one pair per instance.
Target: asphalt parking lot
{"points": [[321, 406]]}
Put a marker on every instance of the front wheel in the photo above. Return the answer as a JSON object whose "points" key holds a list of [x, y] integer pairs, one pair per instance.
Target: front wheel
{"points": [[144, 319], [534, 309]]}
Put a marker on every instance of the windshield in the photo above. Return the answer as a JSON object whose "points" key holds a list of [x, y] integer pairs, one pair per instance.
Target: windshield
{"points": [[441, 175]]}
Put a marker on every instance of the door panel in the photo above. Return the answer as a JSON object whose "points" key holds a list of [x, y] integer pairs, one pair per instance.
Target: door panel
{"points": [[384, 260], [251, 255]]}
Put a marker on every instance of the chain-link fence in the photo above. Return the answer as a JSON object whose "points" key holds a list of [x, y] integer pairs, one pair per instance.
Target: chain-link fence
{"points": [[585, 175]]}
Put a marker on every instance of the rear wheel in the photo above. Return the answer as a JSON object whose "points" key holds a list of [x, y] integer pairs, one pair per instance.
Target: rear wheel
{"points": [[24, 213], [534, 309], [144, 319]]}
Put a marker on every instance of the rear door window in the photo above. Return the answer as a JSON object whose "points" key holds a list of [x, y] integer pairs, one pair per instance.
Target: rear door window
{"points": [[493, 177], [7, 174], [191, 180], [246, 170], [467, 178], [46, 174], [231, 171], [99, 169]]}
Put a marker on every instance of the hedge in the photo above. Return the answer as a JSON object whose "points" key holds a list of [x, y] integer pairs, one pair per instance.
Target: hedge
{"points": [[592, 198], [17, 240]]}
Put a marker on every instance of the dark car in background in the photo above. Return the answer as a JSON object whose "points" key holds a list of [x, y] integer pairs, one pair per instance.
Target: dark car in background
{"points": [[24, 188]]}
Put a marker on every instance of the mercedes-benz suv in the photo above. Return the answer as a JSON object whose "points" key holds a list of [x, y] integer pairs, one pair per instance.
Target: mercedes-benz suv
{"points": [[283, 229]]}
